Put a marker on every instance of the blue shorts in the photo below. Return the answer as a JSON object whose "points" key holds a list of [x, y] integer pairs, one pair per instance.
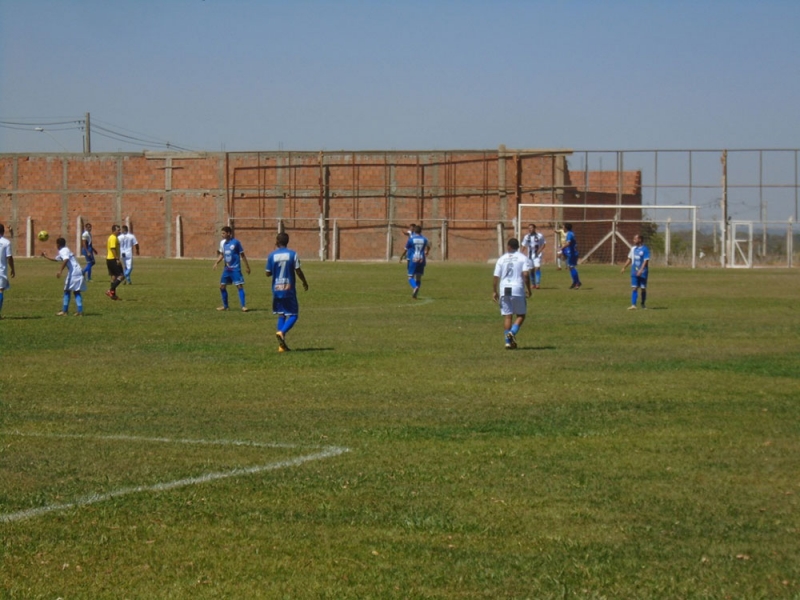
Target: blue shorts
{"points": [[639, 282], [285, 306], [572, 260], [415, 268], [231, 277]]}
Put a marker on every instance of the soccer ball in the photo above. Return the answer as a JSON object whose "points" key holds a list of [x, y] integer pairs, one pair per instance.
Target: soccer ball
{"points": [[43, 236]]}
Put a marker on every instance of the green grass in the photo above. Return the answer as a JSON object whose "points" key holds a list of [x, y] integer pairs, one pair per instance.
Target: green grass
{"points": [[616, 454]]}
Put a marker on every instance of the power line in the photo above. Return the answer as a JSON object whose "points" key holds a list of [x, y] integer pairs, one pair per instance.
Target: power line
{"points": [[106, 130]]}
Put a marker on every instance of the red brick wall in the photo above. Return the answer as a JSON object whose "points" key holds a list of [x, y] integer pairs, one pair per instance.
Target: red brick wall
{"points": [[366, 193]]}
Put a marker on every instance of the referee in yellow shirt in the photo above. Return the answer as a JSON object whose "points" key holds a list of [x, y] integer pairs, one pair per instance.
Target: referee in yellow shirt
{"points": [[114, 264]]}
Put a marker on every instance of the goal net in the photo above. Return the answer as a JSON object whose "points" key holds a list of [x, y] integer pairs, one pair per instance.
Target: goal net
{"points": [[604, 232]]}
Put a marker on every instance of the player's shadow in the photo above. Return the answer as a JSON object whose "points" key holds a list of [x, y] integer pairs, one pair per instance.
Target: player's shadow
{"points": [[313, 349], [528, 348], [21, 318]]}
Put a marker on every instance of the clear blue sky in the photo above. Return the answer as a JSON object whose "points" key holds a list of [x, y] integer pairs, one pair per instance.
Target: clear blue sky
{"points": [[405, 74]]}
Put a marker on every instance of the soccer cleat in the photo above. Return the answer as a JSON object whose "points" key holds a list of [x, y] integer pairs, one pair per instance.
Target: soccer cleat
{"points": [[572, 287], [282, 347], [632, 307], [415, 292], [78, 314], [244, 309], [222, 308], [111, 294], [577, 286], [511, 341], [61, 313]]}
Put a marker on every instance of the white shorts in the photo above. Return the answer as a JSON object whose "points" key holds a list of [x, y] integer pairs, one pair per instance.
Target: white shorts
{"points": [[537, 262], [513, 305], [127, 261], [4, 283]]}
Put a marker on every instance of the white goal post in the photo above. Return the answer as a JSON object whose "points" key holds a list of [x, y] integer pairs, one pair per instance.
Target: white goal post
{"points": [[605, 231]]}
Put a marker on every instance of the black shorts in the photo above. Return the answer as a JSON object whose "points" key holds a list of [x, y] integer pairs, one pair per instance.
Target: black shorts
{"points": [[114, 267]]}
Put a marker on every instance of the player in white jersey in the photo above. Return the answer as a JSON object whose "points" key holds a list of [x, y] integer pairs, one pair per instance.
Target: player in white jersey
{"points": [[74, 282], [127, 245], [6, 266], [511, 288], [534, 244]]}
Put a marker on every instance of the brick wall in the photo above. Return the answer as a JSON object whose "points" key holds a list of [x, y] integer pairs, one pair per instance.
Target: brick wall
{"points": [[366, 199]]}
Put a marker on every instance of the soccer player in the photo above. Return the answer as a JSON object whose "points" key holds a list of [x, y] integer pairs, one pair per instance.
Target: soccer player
{"points": [[417, 249], [534, 244], [283, 265], [232, 253], [113, 263], [639, 259], [570, 252], [511, 288], [6, 266], [127, 244], [87, 250], [73, 282]]}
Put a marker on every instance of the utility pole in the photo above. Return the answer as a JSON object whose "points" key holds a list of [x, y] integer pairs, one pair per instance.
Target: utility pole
{"points": [[724, 203], [87, 135]]}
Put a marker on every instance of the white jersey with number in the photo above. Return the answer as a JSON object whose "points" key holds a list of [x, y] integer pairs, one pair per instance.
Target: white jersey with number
{"points": [[126, 243], [511, 269]]}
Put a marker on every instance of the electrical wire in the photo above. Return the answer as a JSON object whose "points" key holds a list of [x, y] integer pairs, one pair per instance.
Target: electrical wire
{"points": [[103, 129]]}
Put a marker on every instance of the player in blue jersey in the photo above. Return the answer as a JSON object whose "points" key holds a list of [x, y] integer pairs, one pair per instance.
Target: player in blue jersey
{"points": [[283, 265], [416, 251], [570, 252], [511, 287], [639, 259], [232, 252]]}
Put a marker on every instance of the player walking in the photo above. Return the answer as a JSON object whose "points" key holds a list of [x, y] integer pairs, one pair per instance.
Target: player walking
{"points": [[283, 265], [127, 244], [511, 288], [417, 249]]}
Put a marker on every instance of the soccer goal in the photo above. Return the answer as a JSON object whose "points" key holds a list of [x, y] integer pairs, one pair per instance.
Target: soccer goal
{"points": [[604, 232]]}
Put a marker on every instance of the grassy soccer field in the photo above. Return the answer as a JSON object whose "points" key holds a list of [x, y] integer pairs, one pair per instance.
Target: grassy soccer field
{"points": [[158, 448]]}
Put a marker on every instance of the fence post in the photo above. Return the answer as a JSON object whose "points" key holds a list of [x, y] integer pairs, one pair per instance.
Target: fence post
{"points": [[78, 234], [444, 240], [388, 242], [321, 237], [178, 237], [500, 244], [667, 240], [29, 238], [789, 244], [335, 241]]}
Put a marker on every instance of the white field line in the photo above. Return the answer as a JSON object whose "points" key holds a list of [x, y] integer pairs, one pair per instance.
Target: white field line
{"points": [[325, 452]]}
